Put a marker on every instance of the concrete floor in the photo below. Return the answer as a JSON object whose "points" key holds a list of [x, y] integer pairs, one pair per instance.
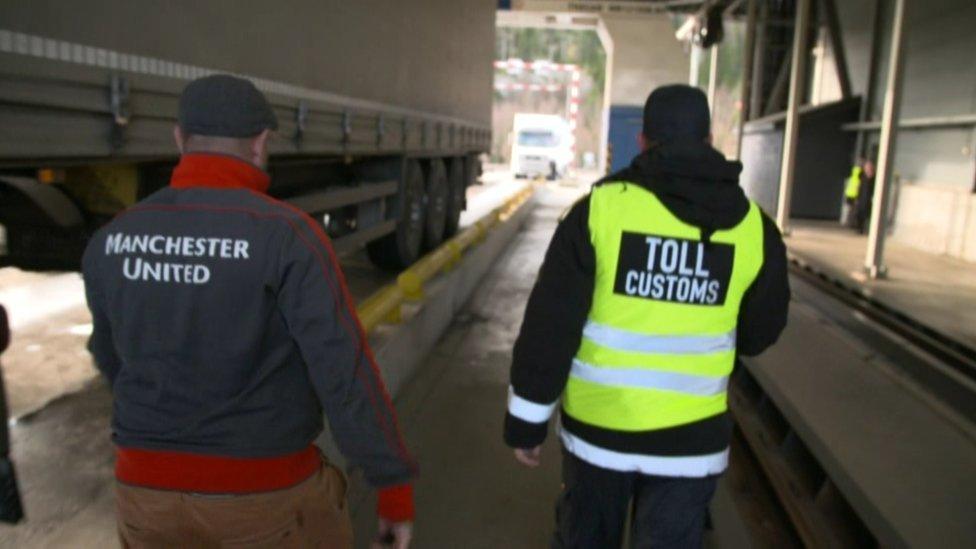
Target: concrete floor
{"points": [[937, 290], [472, 492], [50, 324], [64, 460]]}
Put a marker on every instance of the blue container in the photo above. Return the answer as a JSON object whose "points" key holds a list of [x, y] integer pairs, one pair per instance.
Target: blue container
{"points": [[625, 124]]}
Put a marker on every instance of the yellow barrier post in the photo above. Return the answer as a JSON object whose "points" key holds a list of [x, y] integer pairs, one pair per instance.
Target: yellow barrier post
{"points": [[382, 306], [385, 305]]}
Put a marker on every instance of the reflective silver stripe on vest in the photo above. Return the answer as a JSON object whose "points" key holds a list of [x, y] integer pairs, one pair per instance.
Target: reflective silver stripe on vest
{"points": [[650, 379], [526, 410], [665, 466], [623, 340]]}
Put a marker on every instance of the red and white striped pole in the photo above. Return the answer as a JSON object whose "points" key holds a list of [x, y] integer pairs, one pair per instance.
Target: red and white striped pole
{"points": [[573, 89], [574, 105]]}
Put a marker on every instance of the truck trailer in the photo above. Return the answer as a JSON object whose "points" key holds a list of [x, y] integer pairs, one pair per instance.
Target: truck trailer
{"points": [[383, 106]]}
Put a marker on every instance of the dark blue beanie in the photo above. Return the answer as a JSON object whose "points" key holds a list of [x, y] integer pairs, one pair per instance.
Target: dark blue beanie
{"points": [[676, 113]]}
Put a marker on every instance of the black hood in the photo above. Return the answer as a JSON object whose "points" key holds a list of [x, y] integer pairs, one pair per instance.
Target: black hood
{"points": [[694, 181]]}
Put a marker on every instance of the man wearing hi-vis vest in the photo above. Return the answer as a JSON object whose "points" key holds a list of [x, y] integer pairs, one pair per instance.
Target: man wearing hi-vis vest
{"points": [[650, 287]]}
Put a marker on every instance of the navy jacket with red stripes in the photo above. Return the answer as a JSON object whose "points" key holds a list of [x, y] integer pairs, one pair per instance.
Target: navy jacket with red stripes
{"points": [[223, 324]]}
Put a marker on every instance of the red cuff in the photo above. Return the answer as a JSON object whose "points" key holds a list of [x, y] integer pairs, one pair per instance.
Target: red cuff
{"points": [[395, 503]]}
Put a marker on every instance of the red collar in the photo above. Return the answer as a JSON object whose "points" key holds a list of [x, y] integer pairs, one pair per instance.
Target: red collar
{"points": [[217, 171]]}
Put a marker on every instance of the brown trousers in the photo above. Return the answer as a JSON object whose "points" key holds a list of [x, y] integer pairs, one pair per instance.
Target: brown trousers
{"points": [[311, 514]]}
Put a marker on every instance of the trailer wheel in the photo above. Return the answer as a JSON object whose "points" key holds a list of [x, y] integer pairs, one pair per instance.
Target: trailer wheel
{"points": [[401, 248], [437, 204], [457, 187]]}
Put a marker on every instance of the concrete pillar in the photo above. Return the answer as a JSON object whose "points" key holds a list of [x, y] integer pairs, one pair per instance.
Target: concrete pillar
{"points": [[874, 259], [797, 77]]}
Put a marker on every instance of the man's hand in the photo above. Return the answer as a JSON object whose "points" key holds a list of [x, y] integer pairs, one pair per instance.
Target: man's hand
{"points": [[393, 534], [528, 456]]}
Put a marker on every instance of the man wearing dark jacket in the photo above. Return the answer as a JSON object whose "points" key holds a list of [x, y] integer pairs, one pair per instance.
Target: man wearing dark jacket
{"points": [[650, 287], [223, 324]]}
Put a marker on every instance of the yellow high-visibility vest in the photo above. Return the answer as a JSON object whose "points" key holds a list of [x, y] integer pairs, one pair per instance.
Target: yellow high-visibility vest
{"points": [[853, 184], [659, 343]]}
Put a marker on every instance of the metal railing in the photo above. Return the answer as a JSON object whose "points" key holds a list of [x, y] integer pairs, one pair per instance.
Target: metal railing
{"points": [[385, 305]]}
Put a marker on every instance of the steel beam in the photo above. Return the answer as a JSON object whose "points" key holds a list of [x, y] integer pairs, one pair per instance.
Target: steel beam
{"points": [[351, 242], [758, 62], [747, 66], [867, 104], [874, 259], [958, 120], [791, 131], [816, 82], [837, 45], [774, 102], [323, 201]]}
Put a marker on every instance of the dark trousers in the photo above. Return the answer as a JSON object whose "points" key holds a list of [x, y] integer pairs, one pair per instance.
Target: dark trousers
{"points": [[850, 215], [593, 508]]}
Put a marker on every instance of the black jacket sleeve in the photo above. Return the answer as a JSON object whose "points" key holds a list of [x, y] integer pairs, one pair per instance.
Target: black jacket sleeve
{"points": [[551, 330], [762, 315]]}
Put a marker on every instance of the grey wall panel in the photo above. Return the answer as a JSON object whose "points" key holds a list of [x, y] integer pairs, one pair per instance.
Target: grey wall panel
{"points": [[761, 154], [936, 156], [940, 75], [431, 55], [821, 161]]}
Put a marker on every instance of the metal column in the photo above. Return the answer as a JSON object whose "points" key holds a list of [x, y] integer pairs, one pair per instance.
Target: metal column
{"points": [[874, 260], [797, 77], [694, 66], [712, 78]]}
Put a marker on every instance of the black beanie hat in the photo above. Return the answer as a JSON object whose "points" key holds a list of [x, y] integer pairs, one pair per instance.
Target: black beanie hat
{"points": [[676, 112], [226, 106]]}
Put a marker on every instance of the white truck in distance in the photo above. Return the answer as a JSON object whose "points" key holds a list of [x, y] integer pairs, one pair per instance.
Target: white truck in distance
{"points": [[542, 146]]}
